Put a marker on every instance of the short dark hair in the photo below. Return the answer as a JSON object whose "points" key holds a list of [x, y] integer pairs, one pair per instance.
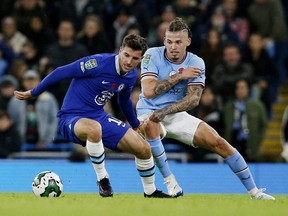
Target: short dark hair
{"points": [[178, 24], [135, 42]]}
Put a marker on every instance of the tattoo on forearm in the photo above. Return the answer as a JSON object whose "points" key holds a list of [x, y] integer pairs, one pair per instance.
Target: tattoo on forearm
{"points": [[187, 103], [166, 84]]}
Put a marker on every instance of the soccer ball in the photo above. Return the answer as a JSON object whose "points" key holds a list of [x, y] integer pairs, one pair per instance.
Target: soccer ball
{"points": [[47, 184]]}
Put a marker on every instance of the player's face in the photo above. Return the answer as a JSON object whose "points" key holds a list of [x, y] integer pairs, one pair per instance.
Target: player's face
{"points": [[176, 44], [129, 59]]}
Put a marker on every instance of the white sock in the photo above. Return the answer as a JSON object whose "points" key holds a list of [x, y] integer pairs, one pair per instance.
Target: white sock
{"points": [[97, 157], [146, 170]]}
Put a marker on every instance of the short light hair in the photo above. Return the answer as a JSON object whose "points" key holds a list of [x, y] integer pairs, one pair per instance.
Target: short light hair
{"points": [[135, 42], [177, 25]]}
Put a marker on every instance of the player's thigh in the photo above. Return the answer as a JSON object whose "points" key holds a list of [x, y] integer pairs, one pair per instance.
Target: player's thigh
{"points": [[208, 138], [85, 127], [133, 143], [181, 126]]}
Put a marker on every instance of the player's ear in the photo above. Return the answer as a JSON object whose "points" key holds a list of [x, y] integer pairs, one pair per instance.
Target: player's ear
{"points": [[188, 41]]}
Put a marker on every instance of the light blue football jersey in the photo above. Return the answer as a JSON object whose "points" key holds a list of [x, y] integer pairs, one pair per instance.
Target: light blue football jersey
{"points": [[157, 65]]}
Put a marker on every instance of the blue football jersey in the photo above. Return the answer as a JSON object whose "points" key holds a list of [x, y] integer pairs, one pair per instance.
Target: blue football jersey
{"points": [[157, 65], [95, 79]]}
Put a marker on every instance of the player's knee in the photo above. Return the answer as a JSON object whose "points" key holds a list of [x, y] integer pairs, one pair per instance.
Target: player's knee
{"points": [[152, 129], [145, 151], [221, 146], [94, 131]]}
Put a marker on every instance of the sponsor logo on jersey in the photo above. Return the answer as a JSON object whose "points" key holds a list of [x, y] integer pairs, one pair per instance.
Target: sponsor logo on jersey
{"points": [[146, 59], [82, 66], [92, 63], [105, 96], [105, 82]]}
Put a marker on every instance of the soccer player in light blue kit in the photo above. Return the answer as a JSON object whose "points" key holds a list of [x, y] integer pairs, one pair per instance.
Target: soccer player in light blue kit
{"points": [[172, 82], [83, 120]]}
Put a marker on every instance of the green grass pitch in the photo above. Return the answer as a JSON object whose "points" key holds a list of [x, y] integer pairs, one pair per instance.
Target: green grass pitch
{"points": [[76, 204]]}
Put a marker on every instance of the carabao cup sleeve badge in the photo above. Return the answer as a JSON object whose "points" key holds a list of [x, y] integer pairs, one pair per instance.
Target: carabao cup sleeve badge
{"points": [[91, 63]]}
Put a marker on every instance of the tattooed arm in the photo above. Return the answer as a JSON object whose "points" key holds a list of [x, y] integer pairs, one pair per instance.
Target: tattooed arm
{"points": [[187, 103], [153, 87]]}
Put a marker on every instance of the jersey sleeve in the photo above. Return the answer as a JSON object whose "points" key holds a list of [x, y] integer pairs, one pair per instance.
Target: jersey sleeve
{"points": [[81, 68], [202, 77], [126, 105], [148, 66]]}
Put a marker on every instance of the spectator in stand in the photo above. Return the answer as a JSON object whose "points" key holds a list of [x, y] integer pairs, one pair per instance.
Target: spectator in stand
{"points": [[139, 10], [265, 72], [218, 21], [41, 35], [157, 38], [208, 110], [245, 122], [210, 51], [7, 53], [284, 135], [190, 12], [3, 64], [25, 10], [11, 36], [17, 70], [231, 69], [10, 141], [93, 36], [65, 51], [267, 18], [159, 24], [8, 84], [35, 119], [6, 8], [238, 24], [124, 19], [77, 10], [29, 53]]}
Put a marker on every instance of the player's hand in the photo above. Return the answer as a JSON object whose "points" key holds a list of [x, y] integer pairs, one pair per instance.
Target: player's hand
{"points": [[191, 72], [23, 95], [157, 116]]}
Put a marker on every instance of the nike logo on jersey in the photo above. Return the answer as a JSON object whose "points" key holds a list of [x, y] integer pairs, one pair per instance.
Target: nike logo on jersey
{"points": [[105, 82]]}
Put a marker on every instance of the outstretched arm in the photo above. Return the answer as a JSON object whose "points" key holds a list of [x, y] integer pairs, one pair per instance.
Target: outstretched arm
{"points": [[187, 103]]}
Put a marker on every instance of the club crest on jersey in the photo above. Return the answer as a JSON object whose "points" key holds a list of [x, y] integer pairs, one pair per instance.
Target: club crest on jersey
{"points": [[82, 66], [146, 59], [92, 63], [172, 73], [121, 87]]}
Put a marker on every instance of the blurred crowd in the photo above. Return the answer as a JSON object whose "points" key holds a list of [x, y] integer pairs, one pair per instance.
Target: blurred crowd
{"points": [[244, 44]]}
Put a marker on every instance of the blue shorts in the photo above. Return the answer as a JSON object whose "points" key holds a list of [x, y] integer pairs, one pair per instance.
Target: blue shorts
{"points": [[112, 129]]}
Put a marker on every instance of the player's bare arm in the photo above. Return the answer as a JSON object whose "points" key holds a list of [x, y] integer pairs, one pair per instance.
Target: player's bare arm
{"points": [[153, 87], [23, 95], [187, 103]]}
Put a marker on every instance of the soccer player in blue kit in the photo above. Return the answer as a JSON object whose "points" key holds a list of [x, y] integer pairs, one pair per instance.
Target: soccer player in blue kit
{"points": [[83, 120], [172, 82]]}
